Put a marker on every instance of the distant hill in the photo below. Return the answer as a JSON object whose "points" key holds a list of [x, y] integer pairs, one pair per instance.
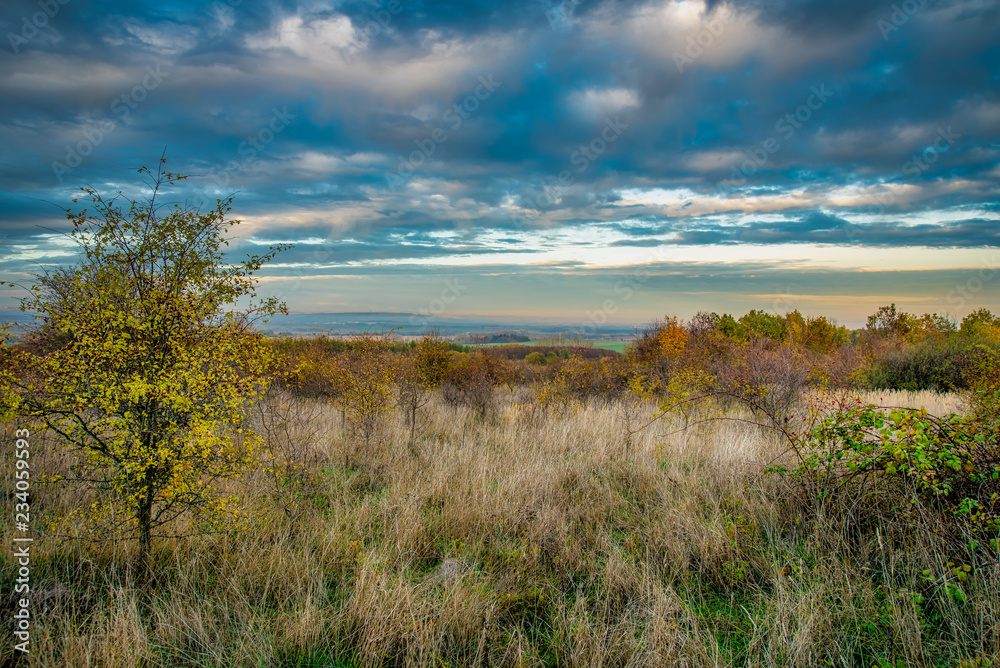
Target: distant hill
{"points": [[484, 330], [498, 337]]}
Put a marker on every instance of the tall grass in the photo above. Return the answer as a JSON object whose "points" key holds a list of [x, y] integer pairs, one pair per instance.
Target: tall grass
{"points": [[528, 536]]}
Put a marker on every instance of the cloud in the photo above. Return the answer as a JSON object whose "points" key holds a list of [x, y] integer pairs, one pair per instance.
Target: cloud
{"points": [[368, 86]]}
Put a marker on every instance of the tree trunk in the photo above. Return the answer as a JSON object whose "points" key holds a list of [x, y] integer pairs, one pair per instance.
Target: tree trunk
{"points": [[144, 515], [413, 430]]}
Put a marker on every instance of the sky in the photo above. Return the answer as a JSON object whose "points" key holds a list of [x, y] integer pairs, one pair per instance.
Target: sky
{"points": [[580, 162]]}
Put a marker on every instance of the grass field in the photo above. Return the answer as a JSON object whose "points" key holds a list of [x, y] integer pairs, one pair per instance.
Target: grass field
{"points": [[617, 346], [534, 536]]}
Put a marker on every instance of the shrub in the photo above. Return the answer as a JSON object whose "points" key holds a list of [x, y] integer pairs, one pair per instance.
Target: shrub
{"points": [[770, 374], [982, 376], [470, 382], [579, 378], [519, 352], [307, 366], [950, 463], [661, 341], [365, 376], [936, 365], [433, 361], [535, 358], [417, 375]]}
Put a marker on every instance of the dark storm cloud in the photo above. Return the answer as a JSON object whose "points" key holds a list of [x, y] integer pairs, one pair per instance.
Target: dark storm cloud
{"points": [[814, 17]]}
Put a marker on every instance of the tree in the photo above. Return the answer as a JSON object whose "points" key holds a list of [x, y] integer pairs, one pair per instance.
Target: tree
{"points": [[659, 342], [823, 336], [471, 381], [673, 336], [981, 325], [537, 358], [703, 324], [931, 327], [730, 328], [761, 324], [795, 328], [889, 322], [143, 371]]}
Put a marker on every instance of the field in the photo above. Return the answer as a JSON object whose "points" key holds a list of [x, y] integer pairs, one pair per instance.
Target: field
{"points": [[617, 346], [557, 535]]}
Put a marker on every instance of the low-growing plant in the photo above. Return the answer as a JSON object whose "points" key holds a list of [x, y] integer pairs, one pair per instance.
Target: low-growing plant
{"points": [[949, 464], [983, 379]]}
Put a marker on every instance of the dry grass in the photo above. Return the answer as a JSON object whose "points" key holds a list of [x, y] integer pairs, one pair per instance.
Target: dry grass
{"points": [[529, 537]]}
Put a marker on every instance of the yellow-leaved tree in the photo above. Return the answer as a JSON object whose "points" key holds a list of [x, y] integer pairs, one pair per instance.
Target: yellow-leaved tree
{"points": [[144, 366]]}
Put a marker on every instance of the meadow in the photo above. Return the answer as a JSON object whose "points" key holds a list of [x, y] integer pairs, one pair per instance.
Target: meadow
{"points": [[606, 344], [532, 534]]}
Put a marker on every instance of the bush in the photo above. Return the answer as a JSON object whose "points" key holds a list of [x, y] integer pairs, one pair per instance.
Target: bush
{"points": [[950, 464], [938, 366], [535, 358], [470, 382], [579, 378], [982, 376], [659, 346], [518, 352], [307, 367], [769, 375], [419, 373], [366, 374]]}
